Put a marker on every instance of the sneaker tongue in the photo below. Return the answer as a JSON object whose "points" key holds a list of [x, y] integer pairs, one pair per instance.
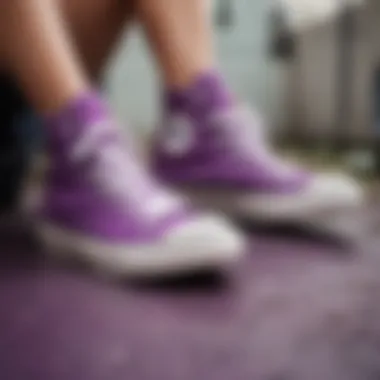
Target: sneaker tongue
{"points": [[76, 120], [204, 95]]}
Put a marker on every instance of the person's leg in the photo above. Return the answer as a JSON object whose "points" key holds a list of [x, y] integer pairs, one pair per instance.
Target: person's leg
{"points": [[181, 37], [100, 203], [39, 54], [209, 146], [96, 27]]}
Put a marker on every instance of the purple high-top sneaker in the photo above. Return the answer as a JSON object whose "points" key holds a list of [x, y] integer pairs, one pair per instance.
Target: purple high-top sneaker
{"points": [[100, 206], [217, 152]]}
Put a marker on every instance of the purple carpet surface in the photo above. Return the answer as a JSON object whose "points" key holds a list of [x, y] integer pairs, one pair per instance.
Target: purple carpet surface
{"points": [[298, 308]]}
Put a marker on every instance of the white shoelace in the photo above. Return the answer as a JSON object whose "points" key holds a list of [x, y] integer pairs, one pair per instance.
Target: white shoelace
{"points": [[120, 175]]}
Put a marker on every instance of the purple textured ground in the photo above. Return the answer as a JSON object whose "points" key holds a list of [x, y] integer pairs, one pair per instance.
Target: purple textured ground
{"points": [[296, 309]]}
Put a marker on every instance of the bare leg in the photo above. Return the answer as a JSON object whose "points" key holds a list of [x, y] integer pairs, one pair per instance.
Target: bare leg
{"points": [[39, 53], [54, 49], [180, 35], [96, 26]]}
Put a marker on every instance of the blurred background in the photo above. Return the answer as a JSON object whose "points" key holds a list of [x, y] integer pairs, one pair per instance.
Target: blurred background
{"points": [[311, 68], [302, 308]]}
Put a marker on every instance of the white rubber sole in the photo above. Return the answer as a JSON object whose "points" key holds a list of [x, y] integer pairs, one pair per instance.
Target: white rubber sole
{"points": [[203, 245], [323, 207]]}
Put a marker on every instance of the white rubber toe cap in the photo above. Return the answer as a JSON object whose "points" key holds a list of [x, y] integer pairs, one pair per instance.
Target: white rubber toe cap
{"points": [[208, 238], [325, 193], [335, 191], [202, 243]]}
